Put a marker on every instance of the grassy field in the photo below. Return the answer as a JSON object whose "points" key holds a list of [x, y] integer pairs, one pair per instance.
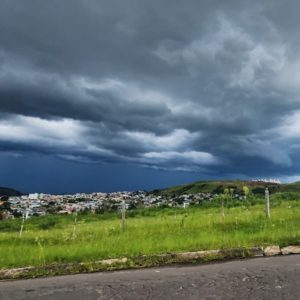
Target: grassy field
{"points": [[52, 239]]}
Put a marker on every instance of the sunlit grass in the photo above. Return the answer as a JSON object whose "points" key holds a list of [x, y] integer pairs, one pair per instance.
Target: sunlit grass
{"points": [[50, 239]]}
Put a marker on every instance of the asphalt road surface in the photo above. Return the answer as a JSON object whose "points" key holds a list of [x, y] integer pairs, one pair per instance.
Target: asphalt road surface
{"points": [[259, 278]]}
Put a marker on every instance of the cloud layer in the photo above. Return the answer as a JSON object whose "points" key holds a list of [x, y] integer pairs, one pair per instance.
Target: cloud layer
{"points": [[203, 86]]}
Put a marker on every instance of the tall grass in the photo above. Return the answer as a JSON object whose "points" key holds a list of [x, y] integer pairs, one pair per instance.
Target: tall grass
{"points": [[50, 239]]}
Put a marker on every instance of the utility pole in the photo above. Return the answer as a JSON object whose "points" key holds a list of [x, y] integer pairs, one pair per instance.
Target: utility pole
{"points": [[267, 202], [123, 210]]}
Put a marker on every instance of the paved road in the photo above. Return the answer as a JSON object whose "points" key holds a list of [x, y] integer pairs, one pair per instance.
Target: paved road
{"points": [[259, 278]]}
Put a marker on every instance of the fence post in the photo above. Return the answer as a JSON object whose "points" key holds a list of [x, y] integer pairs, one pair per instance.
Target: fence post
{"points": [[123, 210], [267, 203], [24, 217], [22, 225], [74, 226]]}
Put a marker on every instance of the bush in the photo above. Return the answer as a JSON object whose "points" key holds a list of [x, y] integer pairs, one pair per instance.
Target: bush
{"points": [[285, 196], [46, 224]]}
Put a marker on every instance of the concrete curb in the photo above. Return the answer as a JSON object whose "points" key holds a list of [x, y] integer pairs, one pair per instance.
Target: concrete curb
{"points": [[145, 261]]}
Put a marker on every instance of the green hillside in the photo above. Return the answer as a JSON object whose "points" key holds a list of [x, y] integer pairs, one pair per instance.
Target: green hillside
{"points": [[218, 186], [291, 187], [9, 192]]}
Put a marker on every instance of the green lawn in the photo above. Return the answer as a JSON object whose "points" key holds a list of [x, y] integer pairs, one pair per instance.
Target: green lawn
{"points": [[51, 239]]}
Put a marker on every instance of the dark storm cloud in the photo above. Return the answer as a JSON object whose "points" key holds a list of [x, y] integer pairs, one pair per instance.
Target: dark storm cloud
{"points": [[206, 86]]}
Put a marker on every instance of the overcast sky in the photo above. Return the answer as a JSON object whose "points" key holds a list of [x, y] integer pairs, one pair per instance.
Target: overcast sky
{"points": [[100, 95]]}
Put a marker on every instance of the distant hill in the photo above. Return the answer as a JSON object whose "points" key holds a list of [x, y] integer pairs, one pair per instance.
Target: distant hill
{"points": [[291, 187], [218, 186], [9, 192]]}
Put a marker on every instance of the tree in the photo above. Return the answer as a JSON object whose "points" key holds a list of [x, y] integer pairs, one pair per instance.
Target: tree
{"points": [[4, 203], [226, 192], [224, 197], [246, 191]]}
